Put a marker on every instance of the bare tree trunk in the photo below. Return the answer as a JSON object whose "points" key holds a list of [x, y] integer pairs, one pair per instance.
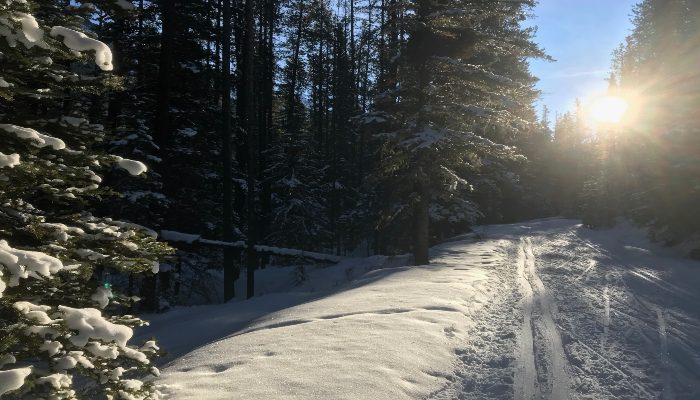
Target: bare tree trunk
{"points": [[247, 124], [266, 94], [230, 270], [421, 221], [295, 67], [163, 123]]}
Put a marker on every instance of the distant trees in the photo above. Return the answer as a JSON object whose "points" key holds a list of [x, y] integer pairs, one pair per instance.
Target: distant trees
{"points": [[649, 168], [657, 64], [573, 162]]}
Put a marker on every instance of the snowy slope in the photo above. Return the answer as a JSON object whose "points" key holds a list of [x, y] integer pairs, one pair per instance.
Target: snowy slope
{"points": [[546, 309]]}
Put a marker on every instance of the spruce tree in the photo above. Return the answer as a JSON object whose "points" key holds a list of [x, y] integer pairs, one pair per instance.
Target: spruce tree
{"points": [[62, 332], [461, 91]]}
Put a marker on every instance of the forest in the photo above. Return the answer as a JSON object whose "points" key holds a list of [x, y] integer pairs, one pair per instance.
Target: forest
{"points": [[157, 155]]}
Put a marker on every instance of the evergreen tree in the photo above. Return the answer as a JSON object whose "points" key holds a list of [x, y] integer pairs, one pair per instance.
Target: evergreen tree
{"points": [[655, 155], [458, 96], [61, 319], [574, 161]]}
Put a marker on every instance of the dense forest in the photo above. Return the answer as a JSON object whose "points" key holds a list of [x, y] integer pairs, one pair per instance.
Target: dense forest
{"points": [[346, 128]]}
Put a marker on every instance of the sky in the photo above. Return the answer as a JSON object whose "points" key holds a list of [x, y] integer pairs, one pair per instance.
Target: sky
{"points": [[581, 36]]}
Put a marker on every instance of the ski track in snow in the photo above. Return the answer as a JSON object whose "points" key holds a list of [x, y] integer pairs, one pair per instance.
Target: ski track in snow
{"points": [[630, 332], [546, 354], [546, 310], [526, 373], [592, 326]]}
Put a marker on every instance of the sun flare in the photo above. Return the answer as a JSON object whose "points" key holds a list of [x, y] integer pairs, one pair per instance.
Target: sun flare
{"points": [[609, 109]]}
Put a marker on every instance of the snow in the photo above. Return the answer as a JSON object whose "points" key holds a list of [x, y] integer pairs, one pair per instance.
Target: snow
{"points": [[7, 359], [544, 309], [51, 347], [187, 132], [29, 35], [74, 121], [35, 313], [78, 41], [4, 83], [63, 232], [89, 254], [13, 379], [133, 167], [134, 355], [9, 160], [102, 296], [155, 267], [426, 138], [124, 4], [38, 139], [20, 264], [174, 236], [368, 341], [139, 195], [57, 380], [91, 325], [101, 350], [30, 28]]}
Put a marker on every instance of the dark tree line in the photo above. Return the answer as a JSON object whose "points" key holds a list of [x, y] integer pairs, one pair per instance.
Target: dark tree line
{"points": [[351, 127]]}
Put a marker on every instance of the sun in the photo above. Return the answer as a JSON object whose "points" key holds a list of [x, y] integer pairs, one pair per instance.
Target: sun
{"points": [[608, 109]]}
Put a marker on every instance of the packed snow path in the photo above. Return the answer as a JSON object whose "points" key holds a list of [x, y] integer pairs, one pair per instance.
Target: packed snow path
{"points": [[543, 310]]}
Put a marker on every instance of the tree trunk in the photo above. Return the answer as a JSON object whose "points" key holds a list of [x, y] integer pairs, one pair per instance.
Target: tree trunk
{"points": [[291, 102], [267, 88], [421, 228], [230, 270], [247, 123], [163, 124]]}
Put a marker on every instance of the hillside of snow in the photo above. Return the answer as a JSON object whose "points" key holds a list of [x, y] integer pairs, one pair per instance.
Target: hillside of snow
{"points": [[545, 309]]}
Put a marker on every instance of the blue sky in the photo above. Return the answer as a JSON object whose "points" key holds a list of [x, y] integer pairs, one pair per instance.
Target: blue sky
{"points": [[580, 35]]}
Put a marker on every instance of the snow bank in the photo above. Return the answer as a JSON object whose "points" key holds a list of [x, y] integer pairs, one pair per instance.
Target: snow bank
{"points": [[390, 333], [543, 309], [78, 41]]}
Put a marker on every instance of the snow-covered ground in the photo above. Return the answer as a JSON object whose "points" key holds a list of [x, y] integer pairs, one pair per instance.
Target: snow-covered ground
{"points": [[545, 309]]}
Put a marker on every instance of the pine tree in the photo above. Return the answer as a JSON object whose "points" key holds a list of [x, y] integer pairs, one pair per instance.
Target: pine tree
{"points": [[61, 318]]}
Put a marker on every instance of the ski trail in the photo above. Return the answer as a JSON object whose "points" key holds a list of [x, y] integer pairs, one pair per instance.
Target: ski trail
{"points": [[558, 365], [606, 319], [525, 372], [584, 274], [665, 362]]}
